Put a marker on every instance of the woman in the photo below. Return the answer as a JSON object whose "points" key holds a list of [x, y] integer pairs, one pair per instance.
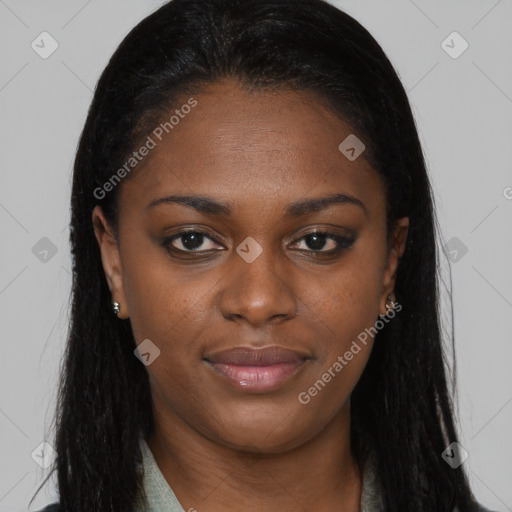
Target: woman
{"points": [[254, 322]]}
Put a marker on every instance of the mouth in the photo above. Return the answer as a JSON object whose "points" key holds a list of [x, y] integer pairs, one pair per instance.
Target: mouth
{"points": [[256, 370]]}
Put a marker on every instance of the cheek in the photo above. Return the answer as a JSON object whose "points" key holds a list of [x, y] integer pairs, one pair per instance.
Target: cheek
{"points": [[171, 313], [344, 306], [346, 302], [345, 311], [164, 300]]}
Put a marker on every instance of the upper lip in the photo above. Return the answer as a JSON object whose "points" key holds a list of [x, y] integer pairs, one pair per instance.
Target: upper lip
{"points": [[250, 356]]}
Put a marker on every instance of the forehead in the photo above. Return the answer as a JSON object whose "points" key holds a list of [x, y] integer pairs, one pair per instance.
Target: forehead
{"points": [[240, 145]]}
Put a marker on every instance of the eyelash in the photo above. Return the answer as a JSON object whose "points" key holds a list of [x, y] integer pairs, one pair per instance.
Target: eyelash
{"points": [[344, 242]]}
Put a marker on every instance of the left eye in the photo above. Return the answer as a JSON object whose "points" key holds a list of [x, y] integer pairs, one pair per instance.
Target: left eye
{"points": [[190, 241], [318, 240]]}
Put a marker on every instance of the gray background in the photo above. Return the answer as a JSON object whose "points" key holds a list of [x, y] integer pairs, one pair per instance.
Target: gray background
{"points": [[463, 108]]}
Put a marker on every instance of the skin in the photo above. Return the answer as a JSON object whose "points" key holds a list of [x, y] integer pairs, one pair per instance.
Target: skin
{"points": [[220, 448]]}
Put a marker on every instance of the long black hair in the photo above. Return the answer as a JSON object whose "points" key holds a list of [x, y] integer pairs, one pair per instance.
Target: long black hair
{"points": [[401, 410]]}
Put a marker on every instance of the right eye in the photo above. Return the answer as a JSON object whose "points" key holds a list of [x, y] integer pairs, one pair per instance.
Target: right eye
{"points": [[189, 241]]}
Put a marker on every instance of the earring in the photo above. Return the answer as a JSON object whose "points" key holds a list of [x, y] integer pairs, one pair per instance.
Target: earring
{"points": [[116, 308], [392, 306]]}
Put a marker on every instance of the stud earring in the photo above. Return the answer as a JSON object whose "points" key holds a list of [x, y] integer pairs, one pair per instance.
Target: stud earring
{"points": [[116, 307], [389, 307], [392, 306]]}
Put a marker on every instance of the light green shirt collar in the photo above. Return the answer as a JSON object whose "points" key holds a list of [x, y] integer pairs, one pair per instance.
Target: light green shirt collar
{"points": [[161, 498]]}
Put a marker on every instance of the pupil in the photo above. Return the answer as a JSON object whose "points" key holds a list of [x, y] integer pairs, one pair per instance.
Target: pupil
{"points": [[192, 240], [316, 241]]}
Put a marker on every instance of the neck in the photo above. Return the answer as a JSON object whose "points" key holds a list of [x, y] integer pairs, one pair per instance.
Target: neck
{"points": [[319, 475]]}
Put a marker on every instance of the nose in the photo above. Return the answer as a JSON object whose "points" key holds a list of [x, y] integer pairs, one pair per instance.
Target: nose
{"points": [[259, 292]]}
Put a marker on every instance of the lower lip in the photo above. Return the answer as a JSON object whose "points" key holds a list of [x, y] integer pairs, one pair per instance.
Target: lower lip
{"points": [[255, 379]]}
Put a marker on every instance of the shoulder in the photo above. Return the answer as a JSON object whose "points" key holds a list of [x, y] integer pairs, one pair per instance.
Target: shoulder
{"points": [[51, 508], [481, 508]]}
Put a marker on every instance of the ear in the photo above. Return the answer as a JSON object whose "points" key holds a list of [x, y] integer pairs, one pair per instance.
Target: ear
{"points": [[396, 249], [110, 258]]}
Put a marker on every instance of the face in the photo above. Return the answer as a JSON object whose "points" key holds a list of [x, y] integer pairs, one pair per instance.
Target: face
{"points": [[255, 289]]}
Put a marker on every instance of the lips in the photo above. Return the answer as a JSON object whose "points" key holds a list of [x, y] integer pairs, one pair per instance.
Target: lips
{"points": [[245, 356], [256, 370]]}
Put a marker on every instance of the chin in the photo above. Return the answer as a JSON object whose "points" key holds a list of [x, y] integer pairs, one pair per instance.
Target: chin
{"points": [[271, 433]]}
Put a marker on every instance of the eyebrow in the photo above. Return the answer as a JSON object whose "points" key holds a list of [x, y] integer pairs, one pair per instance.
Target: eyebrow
{"points": [[210, 206]]}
